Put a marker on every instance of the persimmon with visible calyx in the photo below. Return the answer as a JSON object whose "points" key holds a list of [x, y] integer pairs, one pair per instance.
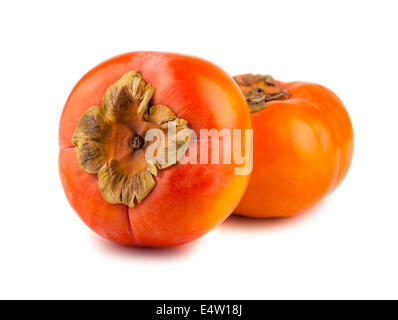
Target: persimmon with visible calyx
{"points": [[119, 191], [302, 142]]}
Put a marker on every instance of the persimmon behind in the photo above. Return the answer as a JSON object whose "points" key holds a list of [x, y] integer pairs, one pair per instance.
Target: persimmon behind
{"points": [[302, 142]]}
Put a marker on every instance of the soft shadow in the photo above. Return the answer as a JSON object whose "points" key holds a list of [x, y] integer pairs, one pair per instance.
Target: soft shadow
{"points": [[233, 223], [237, 222], [143, 253]]}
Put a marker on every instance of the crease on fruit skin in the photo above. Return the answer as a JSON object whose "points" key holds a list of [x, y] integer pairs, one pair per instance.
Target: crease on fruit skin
{"points": [[66, 147], [332, 132], [70, 172], [130, 224], [132, 234], [341, 166]]}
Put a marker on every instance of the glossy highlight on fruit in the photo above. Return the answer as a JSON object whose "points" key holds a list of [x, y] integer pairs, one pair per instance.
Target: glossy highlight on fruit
{"points": [[302, 142], [115, 190]]}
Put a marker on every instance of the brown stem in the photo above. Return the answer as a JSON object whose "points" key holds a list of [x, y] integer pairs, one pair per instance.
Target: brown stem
{"points": [[136, 142]]}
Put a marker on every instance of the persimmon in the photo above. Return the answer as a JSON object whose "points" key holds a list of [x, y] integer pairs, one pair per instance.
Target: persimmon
{"points": [[116, 189], [302, 142]]}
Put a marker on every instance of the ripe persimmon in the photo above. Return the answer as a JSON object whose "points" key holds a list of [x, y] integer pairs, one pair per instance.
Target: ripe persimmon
{"points": [[110, 182], [302, 142]]}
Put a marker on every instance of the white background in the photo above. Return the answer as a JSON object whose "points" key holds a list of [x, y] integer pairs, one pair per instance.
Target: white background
{"points": [[346, 247]]}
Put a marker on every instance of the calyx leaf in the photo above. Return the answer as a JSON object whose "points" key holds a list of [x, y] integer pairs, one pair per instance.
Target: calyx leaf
{"points": [[89, 139]]}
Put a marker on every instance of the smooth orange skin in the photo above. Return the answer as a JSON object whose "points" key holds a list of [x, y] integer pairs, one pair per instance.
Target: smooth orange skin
{"points": [[302, 149], [188, 200]]}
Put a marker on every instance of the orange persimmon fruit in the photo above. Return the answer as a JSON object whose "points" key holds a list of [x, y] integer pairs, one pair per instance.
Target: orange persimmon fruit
{"points": [[116, 190], [302, 142]]}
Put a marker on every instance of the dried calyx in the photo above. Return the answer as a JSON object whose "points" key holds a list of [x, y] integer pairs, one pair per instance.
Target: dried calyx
{"points": [[259, 89], [109, 140]]}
